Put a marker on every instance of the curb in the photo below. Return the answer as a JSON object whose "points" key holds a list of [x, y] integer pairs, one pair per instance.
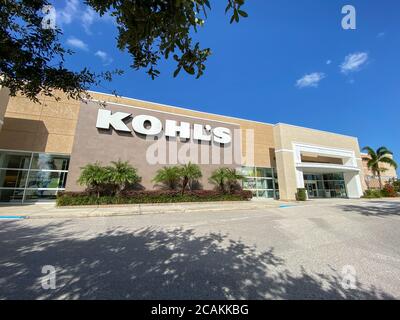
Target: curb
{"points": [[142, 213]]}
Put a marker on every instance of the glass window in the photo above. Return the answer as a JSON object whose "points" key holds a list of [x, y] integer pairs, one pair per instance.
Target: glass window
{"points": [[264, 172], [14, 160], [265, 183], [262, 194], [38, 172], [260, 180], [40, 194], [249, 183], [329, 185], [246, 171], [11, 195], [46, 179], [44, 161], [270, 193], [13, 178], [262, 184]]}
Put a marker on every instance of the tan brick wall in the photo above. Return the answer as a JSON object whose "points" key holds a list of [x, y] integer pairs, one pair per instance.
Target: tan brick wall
{"points": [[48, 126], [263, 132], [285, 135], [4, 97]]}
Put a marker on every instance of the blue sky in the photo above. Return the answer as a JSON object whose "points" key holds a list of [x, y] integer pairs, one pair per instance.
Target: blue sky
{"points": [[290, 62]]}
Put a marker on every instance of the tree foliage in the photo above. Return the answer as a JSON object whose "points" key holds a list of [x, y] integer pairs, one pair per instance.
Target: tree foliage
{"points": [[32, 58], [115, 177], [381, 155], [168, 176], [189, 173], [93, 176], [218, 178], [226, 179], [121, 174]]}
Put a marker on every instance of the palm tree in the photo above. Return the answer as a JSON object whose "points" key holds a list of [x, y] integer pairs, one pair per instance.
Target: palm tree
{"points": [[232, 178], [93, 176], [218, 178], [189, 173], [169, 176], [121, 174], [381, 155]]}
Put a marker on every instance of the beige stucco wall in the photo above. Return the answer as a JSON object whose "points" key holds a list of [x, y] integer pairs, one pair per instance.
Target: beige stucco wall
{"points": [[262, 132], [48, 126], [51, 127], [145, 154], [285, 135], [4, 98]]}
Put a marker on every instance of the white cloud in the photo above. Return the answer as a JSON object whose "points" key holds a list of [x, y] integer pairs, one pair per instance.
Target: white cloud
{"points": [[88, 17], [104, 57], [381, 34], [328, 62], [77, 43], [353, 62], [310, 80], [68, 13], [73, 11]]}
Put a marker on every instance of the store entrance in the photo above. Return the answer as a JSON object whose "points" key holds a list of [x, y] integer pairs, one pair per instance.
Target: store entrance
{"points": [[328, 185], [312, 189]]}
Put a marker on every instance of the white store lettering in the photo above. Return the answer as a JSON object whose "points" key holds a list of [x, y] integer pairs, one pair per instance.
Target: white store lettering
{"points": [[152, 126]]}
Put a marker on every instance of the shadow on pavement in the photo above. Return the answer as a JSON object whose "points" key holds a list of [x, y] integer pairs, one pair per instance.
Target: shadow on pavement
{"points": [[374, 208], [153, 264]]}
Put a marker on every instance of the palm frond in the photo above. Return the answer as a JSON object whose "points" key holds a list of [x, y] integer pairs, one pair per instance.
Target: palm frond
{"points": [[389, 161], [370, 151], [382, 151]]}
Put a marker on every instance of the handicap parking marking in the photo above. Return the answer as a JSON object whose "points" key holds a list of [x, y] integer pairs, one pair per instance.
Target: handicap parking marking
{"points": [[283, 206], [12, 217]]}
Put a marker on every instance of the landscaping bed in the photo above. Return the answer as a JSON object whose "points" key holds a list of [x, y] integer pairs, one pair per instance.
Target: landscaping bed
{"points": [[388, 191], [140, 197]]}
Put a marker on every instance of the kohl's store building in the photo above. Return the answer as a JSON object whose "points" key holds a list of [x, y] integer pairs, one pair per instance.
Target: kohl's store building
{"points": [[43, 146]]}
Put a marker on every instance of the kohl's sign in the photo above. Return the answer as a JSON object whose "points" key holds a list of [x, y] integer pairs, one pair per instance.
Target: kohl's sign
{"points": [[152, 126]]}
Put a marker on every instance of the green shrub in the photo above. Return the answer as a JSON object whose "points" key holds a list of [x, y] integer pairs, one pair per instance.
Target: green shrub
{"points": [[121, 174], [301, 194], [372, 194], [389, 191], [396, 185], [139, 197], [226, 180], [108, 180]]}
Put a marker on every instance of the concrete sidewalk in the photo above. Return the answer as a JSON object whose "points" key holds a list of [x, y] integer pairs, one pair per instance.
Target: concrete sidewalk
{"points": [[49, 210]]}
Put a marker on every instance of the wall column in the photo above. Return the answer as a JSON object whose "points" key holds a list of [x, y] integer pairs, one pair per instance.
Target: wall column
{"points": [[286, 175], [353, 185]]}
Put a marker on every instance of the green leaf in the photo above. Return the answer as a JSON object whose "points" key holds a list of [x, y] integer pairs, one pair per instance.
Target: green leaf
{"points": [[243, 14], [177, 72]]}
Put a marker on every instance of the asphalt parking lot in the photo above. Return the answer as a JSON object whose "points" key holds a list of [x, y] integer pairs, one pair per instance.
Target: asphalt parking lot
{"points": [[321, 250]]}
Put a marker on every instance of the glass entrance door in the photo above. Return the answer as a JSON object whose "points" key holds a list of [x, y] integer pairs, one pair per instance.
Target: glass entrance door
{"points": [[326, 185], [312, 189]]}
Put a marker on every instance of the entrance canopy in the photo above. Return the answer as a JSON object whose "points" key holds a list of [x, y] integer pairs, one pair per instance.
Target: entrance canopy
{"points": [[322, 160], [325, 168]]}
